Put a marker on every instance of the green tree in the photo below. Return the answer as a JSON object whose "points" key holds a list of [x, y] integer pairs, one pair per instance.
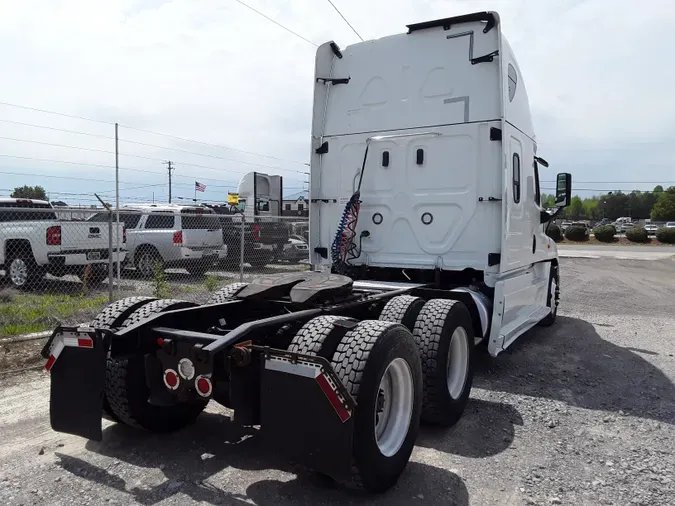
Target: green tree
{"points": [[547, 201], [664, 209], [658, 188], [29, 192], [576, 208], [591, 209]]}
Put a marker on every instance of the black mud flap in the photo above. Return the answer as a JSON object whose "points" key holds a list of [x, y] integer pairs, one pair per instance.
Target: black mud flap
{"points": [[306, 414], [77, 363]]}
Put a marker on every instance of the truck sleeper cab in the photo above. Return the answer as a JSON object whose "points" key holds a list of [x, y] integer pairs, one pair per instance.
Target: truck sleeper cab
{"points": [[433, 130], [425, 241]]}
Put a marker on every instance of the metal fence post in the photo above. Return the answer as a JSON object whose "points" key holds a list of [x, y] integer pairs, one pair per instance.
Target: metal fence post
{"points": [[241, 252], [110, 256]]}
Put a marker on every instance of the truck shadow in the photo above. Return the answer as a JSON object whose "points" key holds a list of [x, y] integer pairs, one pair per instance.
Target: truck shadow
{"points": [[571, 363], [485, 429], [191, 460]]}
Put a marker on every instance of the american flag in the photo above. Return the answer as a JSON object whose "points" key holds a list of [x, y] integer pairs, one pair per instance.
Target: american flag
{"points": [[200, 187]]}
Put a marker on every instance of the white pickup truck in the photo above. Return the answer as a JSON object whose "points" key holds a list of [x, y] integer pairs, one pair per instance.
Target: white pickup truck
{"points": [[33, 242]]}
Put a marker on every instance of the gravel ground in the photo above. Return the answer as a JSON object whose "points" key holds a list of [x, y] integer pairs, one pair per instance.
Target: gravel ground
{"points": [[582, 413]]}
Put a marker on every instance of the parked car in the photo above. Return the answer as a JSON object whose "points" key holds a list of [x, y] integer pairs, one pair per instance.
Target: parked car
{"points": [[263, 237], [295, 250], [34, 242], [651, 228], [173, 235], [564, 225], [583, 225], [670, 224]]}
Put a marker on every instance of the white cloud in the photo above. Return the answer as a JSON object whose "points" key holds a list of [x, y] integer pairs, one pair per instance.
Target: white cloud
{"points": [[597, 72]]}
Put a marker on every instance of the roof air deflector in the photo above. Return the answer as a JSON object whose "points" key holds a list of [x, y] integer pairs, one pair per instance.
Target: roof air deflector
{"points": [[489, 17]]}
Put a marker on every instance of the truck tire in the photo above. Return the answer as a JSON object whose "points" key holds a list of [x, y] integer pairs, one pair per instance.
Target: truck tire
{"points": [[128, 393], [402, 309], [553, 298], [145, 259], [20, 267], [379, 364], [444, 335], [320, 336], [226, 293], [110, 318], [113, 315]]}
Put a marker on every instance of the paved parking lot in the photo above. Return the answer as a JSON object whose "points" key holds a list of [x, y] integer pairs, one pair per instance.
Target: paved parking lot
{"points": [[581, 414]]}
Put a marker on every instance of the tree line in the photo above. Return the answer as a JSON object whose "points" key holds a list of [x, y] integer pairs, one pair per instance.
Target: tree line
{"points": [[657, 205]]}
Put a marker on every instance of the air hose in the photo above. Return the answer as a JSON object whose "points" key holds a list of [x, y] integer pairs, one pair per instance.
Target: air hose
{"points": [[344, 248]]}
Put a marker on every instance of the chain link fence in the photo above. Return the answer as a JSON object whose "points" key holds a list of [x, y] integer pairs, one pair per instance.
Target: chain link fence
{"points": [[63, 265]]}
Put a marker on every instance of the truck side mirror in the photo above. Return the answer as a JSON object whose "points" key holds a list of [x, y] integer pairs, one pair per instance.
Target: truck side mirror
{"points": [[563, 190]]}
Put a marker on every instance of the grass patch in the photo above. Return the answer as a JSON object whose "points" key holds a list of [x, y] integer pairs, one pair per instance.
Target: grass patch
{"points": [[25, 313], [211, 283]]}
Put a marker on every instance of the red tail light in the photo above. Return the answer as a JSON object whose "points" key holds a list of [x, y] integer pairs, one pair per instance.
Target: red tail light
{"points": [[124, 234], [255, 232], [54, 236], [178, 237]]}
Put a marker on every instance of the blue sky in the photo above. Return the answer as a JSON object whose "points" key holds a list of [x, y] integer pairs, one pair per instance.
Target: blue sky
{"points": [[598, 75]]}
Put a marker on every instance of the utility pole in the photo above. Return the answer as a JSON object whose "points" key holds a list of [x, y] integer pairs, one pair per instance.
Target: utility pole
{"points": [[170, 167]]}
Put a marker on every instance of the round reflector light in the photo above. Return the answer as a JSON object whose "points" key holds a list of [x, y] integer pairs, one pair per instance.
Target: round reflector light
{"points": [[171, 379], [204, 386]]}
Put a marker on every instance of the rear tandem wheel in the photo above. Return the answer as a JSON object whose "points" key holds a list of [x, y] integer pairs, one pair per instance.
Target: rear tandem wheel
{"points": [[379, 364], [128, 394]]}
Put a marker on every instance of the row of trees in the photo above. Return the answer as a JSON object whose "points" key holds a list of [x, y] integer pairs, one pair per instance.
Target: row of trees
{"points": [[657, 205]]}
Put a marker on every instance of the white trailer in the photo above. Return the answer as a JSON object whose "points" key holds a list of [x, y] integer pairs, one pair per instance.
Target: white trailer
{"points": [[432, 128]]}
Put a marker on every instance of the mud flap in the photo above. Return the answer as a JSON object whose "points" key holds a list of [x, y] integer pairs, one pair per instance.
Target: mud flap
{"points": [[77, 380], [306, 414]]}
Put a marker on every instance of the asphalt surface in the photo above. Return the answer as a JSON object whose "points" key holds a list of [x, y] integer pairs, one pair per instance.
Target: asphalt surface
{"points": [[582, 413], [617, 252]]}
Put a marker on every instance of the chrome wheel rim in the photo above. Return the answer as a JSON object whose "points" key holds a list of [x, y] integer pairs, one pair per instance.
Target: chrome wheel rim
{"points": [[393, 407], [145, 264], [18, 272], [458, 362]]}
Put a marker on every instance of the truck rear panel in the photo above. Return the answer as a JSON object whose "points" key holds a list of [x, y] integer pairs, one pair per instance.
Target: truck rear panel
{"points": [[432, 181]]}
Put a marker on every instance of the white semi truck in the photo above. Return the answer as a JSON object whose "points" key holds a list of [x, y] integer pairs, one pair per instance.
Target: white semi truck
{"points": [[427, 239]]}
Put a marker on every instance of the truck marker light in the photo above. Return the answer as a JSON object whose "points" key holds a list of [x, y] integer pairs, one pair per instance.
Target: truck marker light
{"points": [[204, 386], [171, 379]]}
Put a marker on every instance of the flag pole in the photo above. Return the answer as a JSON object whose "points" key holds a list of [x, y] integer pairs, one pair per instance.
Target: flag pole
{"points": [[195, 199]]}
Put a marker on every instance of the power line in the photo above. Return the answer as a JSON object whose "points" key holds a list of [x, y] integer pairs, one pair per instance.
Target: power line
{"points": [[276, 23], [207, 156], [56, 113], [95, 150], [157, 145], [220, 146], [345, 20], [56, 129]]}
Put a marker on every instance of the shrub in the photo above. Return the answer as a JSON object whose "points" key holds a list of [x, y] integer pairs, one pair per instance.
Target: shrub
{"points": [[666, 235], [605, 233], [637, 234], [576, 233], [554, 232]]}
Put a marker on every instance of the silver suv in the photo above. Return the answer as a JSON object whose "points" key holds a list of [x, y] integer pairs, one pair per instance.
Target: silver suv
{"points": [[173, 235]]}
